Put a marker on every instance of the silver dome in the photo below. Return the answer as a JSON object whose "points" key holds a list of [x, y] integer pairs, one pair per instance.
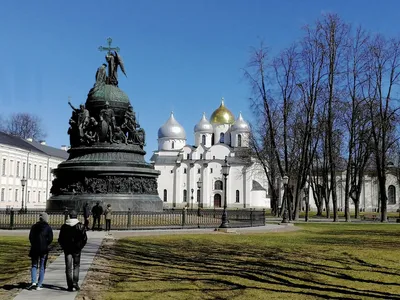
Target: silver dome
{"points": [[204, 126], [240, 125], [172, 129]]}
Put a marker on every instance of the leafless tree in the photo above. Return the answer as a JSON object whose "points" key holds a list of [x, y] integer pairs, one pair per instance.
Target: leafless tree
{"points": [[25, 125]]}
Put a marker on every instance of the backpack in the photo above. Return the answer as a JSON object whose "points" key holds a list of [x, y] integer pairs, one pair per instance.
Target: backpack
{"points": [[79, 238]]}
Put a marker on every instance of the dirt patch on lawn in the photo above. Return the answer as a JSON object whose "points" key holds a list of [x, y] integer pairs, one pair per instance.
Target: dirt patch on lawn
{"points": [[97, 280]]}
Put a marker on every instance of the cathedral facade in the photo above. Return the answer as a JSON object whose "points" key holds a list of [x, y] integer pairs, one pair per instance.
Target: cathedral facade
{"points": [[191, 175]]}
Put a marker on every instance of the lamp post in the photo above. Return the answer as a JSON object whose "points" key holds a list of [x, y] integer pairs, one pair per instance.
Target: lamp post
{"points": [[225, 171], [23, 183], [306, 191], [285, 211], [199, 205]]}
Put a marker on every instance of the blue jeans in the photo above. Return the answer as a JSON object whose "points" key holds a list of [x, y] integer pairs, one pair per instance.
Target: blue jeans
{"points": [[38, 262], [72, 264]]}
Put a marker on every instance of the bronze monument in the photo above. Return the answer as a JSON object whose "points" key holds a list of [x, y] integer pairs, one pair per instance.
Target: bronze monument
{"points": [[106, 159]]}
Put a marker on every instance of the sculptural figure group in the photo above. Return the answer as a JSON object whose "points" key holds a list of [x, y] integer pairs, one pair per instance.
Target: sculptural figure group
{"points": [[86, 130]]}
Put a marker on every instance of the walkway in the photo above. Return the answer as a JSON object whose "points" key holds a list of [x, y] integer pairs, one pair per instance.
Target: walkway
{"points": [[55, 286]]}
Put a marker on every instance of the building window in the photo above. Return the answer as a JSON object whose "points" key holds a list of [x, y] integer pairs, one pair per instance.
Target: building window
{"points": [[392, 194], [184, 195], [11, 167], [38, 197], [203, 139], [221, 137], [9, 195], [201, 156], [23, 169], [29, 171], [239, 140], [40, 172], [165, 198], [198, 171], [184, 170], [3, 172], [237, 196], [198, 195], [16, 196], [214, 157], [188, 156], [34, 172], [211, 170], [17, 169], [3, 191], [218, 185], [173, 145]]}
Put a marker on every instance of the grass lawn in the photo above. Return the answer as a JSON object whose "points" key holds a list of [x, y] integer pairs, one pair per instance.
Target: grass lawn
{"points": [[323, 261]]}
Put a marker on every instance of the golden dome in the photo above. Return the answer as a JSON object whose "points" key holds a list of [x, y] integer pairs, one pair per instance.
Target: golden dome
{"points": [[222, 115]]}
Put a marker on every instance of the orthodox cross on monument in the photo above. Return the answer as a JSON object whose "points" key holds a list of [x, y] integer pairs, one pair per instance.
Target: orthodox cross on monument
{"points": [[109, 48]]}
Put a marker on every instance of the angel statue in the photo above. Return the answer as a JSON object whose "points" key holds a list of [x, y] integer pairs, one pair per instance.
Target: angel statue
{"points": [[114, 60]]}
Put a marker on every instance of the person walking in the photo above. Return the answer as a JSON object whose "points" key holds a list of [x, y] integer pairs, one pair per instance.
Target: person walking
{"points": [[72, 239], [107, 214], [86, 215], [97, 212], [40, 237]]}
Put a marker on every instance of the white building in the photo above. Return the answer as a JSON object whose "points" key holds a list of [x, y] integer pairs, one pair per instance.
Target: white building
{"points": [[30, 160], [182, 166]]}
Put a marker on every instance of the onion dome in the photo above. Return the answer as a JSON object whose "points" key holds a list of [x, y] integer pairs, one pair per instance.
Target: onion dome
{"points": [[203, 126], [241, 125], [172, 129], [222, 115]]}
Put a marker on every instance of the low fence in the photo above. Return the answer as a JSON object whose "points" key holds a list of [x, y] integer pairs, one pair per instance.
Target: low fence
{"points": [[133, 220]]}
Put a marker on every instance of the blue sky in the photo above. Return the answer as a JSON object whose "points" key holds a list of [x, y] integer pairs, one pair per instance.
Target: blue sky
{"points": [[180, 55]]}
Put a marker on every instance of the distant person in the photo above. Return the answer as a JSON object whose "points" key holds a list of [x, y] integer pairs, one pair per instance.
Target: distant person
{"points": [[97, 212], [40, 237], [72, 239], [107, 214], [86, 215]]}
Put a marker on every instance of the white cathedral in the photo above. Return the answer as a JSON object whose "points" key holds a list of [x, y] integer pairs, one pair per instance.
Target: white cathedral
{"points": [[191, 175]]}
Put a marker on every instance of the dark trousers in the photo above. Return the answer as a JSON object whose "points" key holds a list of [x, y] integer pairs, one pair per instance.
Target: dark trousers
{"points": [[108, 224], [72, 264], [87, 223], [95, 218]]}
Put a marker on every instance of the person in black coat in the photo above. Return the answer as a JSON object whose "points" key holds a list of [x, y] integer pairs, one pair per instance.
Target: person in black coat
{"points": [[40, 237], [97, 212], [72, 239], [86, 215]]}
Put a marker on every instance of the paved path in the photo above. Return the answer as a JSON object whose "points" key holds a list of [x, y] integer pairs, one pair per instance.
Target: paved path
{"points": [[55, 285]]}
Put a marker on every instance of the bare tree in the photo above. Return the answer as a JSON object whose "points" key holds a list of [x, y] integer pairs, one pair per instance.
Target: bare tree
{"points": [[25, 125], [382, 77]]}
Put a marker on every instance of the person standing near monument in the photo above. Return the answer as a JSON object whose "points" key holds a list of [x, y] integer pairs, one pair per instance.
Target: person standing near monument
{"points": [[40, 237], [72, 239], [107, 214], [97, 212], [86, 215]]}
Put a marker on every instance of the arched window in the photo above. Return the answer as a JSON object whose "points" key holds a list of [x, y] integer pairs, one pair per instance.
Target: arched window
{"points": [[203, 139], [237, 196], [392, 194], [201, 156], [239, 140], [165, 198], [218, 185], [198, 195], [221, 137], [173, 145], [184, 195]]}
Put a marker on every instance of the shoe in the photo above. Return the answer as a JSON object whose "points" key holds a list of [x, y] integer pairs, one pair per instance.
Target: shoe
{"points": [[70, 289], [77, 287], [32, 286], [39, 288]]}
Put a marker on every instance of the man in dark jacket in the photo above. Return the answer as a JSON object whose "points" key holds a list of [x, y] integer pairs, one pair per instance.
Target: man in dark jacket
{"points": [[97, 212], [72, 239], [86, 215], [40, 237]]}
